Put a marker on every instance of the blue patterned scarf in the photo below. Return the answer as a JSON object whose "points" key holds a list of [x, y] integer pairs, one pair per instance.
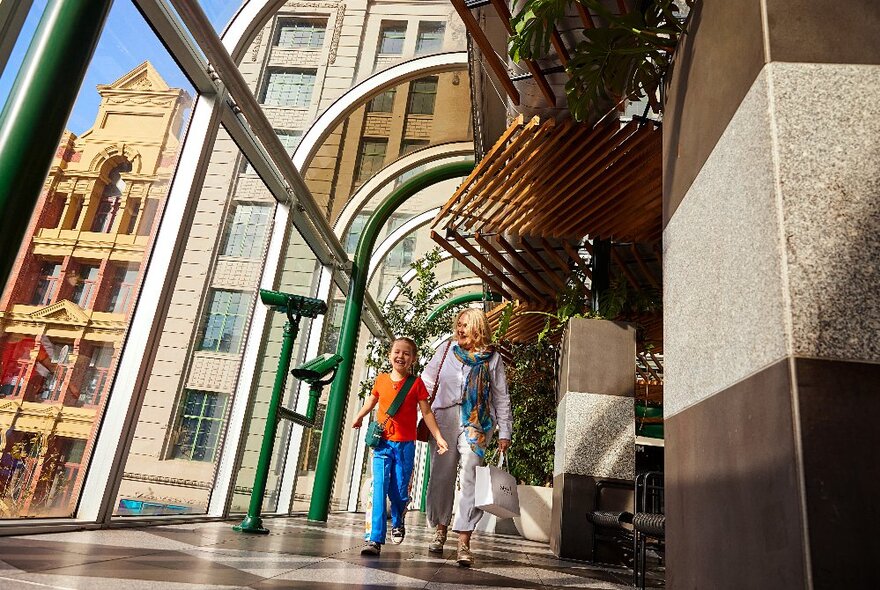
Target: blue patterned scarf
{"points": [[476, 399]]}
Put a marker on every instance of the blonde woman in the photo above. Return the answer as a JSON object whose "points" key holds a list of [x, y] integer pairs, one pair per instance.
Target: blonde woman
{"points": [[471, 404]]}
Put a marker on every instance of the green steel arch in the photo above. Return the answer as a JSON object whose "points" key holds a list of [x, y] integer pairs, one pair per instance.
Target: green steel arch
{"points": [[328, 452], [464, 298]]}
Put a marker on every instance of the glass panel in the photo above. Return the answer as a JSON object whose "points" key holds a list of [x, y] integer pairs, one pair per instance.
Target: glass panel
{"points": [[288, 87], [220, 12], [300, 33], [192, 387], [430, 37], [422, 96], [297, 276], [371, 158], [68, 304], [391, 37]]}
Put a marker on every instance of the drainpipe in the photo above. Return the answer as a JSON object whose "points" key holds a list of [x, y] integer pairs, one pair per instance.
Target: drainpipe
{"points": [[328, 452], [37, 109]]}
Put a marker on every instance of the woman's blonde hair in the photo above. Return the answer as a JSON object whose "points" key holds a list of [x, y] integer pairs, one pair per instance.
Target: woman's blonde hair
{"points": [[476, 325]]}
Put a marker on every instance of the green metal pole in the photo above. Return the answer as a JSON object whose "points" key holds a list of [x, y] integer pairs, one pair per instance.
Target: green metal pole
{"points": [[252, 523], [461, 299], [37, 109], [328, 453]]}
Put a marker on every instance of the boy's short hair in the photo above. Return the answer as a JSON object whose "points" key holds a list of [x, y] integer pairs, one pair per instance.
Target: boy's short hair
{"points": [[408, 340]]}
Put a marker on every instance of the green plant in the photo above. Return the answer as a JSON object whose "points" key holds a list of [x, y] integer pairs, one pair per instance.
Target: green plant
{"points": [[531, 380], [626, 58], [413, 318]]}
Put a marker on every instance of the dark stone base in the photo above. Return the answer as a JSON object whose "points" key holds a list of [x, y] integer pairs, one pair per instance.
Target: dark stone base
{"points": [[571, 534], [749, 505]]}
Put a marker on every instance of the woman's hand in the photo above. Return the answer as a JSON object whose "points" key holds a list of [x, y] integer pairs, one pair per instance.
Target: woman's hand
{"points": [[357, 422], [503, 444], [442, 447]]}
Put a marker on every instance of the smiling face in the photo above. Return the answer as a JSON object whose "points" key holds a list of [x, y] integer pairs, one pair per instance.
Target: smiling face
{"points": [[463, 334], [402, 356], [472, 330]]}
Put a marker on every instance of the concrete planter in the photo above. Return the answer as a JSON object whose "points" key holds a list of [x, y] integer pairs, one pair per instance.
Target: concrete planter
{"points": [[535, 510]]}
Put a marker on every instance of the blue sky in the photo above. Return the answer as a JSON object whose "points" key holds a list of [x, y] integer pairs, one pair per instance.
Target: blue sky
{"points": [[125, 43]]}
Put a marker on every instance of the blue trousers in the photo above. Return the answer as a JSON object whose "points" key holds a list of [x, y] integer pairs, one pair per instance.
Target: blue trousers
{"points": [[392, 471]]}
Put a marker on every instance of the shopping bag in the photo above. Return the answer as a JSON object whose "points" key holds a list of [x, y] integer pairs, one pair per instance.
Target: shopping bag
{"points": [[496, 491]]}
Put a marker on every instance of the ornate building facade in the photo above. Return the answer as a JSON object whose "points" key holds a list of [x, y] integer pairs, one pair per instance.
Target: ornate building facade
{"points": [[73, 287]]}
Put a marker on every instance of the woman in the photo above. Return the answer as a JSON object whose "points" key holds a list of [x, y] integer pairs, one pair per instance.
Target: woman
{"points": [[470, 404]]}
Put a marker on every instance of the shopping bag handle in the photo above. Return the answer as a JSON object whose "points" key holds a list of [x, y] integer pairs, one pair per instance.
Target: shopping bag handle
{"points": [[502, 459]]}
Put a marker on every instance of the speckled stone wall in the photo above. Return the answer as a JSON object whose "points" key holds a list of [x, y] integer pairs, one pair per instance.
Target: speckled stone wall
{"points": [[595, 435], [771, 301]]}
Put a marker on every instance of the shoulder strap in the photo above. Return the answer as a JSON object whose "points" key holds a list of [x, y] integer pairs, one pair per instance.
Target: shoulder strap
{"points": [[440, 368], [401, 395]]}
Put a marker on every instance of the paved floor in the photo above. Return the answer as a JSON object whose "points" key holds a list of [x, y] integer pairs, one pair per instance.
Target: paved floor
{"points": [[296, 554]]}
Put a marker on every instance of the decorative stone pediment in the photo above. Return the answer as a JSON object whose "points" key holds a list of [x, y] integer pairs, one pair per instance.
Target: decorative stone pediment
{"points": [[64, 312], [142, 78]]}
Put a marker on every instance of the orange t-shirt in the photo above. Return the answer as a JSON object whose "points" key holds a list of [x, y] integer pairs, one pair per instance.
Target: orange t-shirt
{"points": [[401, 426]]}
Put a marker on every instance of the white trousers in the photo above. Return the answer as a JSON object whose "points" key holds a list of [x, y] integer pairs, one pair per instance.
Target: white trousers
{"points": [[441, 485]]}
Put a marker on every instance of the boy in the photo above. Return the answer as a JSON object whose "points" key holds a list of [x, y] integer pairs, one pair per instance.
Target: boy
{"points": [[393, 456]]}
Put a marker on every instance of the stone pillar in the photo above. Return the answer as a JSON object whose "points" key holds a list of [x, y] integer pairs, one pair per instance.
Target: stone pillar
{"points": [[595, 432], [772, 314]]}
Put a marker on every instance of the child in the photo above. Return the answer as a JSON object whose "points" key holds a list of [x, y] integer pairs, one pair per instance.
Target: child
{"points": [[393, 456]]}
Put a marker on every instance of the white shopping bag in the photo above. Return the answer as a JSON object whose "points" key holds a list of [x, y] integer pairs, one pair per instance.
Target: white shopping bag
{"points": [[496, 491]]}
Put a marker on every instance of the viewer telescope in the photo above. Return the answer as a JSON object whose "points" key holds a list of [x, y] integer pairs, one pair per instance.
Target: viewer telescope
{"points": [[315, 371]]}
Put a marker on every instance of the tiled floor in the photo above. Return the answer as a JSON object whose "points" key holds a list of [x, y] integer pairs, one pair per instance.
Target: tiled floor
{"points": [[296, 554]]}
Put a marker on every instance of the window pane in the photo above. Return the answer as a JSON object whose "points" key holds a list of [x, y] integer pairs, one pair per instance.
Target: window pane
{"points": [[246, 234], [199, 426], [225, 321], [372, 158], [289, 88], [422, 95], [391, 38], [384, 103], [298, 33], [92, 230], [430, 37]]}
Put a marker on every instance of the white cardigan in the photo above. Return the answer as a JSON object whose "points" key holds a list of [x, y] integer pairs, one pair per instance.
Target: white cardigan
{"points": [[451, 389]]}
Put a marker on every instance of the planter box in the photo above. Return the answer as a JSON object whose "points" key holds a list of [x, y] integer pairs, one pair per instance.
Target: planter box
{"points": [[535, 512]]}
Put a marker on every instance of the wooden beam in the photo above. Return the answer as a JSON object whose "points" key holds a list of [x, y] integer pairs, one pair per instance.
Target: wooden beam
{"points": [[644, 267], [537, 75], [489, 280], [478, 169], [551, 252], [496, 272], [510, 249], [495, 63], [625, 270], [572, 253], [559, 46], [552, 273], [511, 268], [586, 18]]}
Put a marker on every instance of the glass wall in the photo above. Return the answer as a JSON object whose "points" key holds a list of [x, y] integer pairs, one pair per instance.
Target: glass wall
{"points": [[67, 305]]}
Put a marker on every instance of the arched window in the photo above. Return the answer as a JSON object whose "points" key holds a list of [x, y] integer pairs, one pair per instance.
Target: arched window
{"points": [[108, 206]]}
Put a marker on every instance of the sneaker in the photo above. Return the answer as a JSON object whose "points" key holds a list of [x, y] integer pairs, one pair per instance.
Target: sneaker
{"points": [[436, 546], [397, 534], [371, 548], [464, 559]]}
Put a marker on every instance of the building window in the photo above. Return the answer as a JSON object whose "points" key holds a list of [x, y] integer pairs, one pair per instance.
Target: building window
{"points": [[391, 37], [383, 103], [96, 376], [401, 256], [289, 87], [47, 283], [246, 233], [108, 205], [372, 158], [224, 324], [354, 232], [300, 33], [124, 279], [86, 284], [410, 145], [199, 429], [430, 37], [129, 226], [422, 95], [55, 375]]}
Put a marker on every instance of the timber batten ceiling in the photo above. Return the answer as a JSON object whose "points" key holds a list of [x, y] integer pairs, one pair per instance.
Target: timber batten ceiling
{"points": [[565, 181]]}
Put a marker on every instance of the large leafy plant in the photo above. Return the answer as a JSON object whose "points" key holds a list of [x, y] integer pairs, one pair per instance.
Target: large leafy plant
{"points": [[410, 315], [625, 58]]}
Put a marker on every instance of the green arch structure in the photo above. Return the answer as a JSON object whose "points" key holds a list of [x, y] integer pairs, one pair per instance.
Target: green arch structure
{"points": [[328, 452], [464, 298]]}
